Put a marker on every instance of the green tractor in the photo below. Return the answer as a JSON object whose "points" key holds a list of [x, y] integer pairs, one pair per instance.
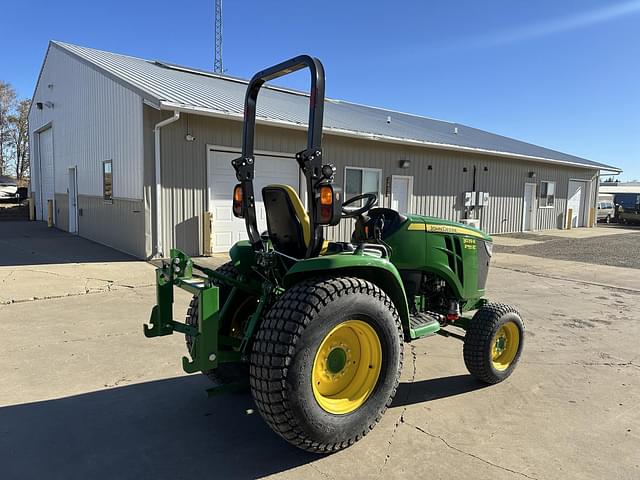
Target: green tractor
{"points": [[314, 328]]}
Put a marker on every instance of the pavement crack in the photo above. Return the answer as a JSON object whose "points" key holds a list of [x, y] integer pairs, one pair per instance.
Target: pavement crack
{"points": [[459, 450], [11, 272], [324, 474], [118, 382], [572, 280], [404, 409], [607, 364], [87, 291], [35, 270]]}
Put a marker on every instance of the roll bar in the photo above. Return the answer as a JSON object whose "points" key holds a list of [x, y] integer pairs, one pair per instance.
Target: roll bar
{"points": [[309, 160]]}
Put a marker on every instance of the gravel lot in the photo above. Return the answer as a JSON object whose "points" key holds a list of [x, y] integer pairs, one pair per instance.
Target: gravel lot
{"points": [[621, 250]]}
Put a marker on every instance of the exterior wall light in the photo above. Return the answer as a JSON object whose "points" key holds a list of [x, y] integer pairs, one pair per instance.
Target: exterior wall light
{"points": [[405, 163], [532, 174], [189, 138]]}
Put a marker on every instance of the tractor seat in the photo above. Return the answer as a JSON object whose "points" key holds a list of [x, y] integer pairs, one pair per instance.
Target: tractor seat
{"points": [[289, 226], [287, 220]]}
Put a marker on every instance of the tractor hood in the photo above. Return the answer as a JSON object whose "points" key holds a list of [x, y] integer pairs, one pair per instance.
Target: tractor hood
{"points": [[439, 225]]}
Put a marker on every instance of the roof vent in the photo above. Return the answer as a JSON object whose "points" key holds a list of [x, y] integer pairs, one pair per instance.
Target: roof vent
{"points": [[388, 118], [455, 130]]}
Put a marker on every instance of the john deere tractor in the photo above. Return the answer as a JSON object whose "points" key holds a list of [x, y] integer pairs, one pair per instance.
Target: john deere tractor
{"points": [[314, 328]]}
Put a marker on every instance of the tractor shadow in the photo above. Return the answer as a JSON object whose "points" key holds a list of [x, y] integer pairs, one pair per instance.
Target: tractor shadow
{"points": [[162, 429], [421, 391]]}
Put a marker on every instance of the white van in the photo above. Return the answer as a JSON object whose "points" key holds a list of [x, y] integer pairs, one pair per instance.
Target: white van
{"points": [[606, 208]]}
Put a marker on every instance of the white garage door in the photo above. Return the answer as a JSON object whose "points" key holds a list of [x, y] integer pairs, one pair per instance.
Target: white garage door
{"points": [[45, 139], [221, 178]]}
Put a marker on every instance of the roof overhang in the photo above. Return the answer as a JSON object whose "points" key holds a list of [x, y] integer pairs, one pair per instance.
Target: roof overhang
{"points": [[163, 105]]}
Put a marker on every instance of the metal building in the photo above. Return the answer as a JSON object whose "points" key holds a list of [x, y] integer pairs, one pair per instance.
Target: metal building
{"points": [[111, 133]]}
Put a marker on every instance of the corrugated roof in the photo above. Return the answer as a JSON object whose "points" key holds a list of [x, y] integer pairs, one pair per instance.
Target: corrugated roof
{"points": [[170, 86], [621, 188]]}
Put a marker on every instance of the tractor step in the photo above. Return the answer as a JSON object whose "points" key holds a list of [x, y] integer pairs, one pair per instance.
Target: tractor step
{"points": [[424, 324]]}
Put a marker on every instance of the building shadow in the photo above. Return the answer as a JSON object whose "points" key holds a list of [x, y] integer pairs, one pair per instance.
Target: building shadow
{"points": [[421, 391], [10, 210], [187, 235], [33, 243], [165, 429]]}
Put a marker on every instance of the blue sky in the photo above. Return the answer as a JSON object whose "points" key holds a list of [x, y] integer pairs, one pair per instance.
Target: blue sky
{"points": [[562, 74]]}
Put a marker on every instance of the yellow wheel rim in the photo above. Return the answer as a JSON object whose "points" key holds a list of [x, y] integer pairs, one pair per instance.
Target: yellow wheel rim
{"points": [[504, 346], [346, 367]]}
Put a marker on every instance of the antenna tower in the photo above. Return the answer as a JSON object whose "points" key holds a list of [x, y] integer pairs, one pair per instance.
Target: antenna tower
{"points": [[217, 63]]}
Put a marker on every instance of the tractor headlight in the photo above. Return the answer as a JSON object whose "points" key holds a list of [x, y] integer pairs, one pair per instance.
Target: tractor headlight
{"points": [[488, 246]]}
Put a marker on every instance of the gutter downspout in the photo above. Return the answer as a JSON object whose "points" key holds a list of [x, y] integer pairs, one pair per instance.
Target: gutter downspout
{"points": [[158, 211]]}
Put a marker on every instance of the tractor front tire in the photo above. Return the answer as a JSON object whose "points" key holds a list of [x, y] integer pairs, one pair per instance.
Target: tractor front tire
{"points": [[326, 362], [226, 372], [493, 342]]}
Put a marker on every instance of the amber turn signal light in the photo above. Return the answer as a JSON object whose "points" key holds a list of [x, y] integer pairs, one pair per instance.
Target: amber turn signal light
{"points": [[237, 201], [328, 205], [326, 195]]}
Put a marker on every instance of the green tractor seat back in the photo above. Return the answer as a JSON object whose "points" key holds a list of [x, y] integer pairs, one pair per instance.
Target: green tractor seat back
{"points": [[287, 220]]}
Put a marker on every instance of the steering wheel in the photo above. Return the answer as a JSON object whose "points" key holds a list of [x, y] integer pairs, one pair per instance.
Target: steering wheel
{"points": [[352, 212]]}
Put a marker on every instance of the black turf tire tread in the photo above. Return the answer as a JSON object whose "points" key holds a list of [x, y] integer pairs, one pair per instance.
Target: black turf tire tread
{"points": [[226, 372], [275, 344], [481, 329]]}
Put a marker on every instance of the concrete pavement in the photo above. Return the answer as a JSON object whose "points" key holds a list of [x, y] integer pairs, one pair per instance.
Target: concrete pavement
{"points": [[84, 395]]}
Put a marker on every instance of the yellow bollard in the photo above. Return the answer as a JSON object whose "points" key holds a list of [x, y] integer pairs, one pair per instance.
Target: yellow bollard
{"points": [[32, 208], [207, 219], [569, 218], [49, 213]]}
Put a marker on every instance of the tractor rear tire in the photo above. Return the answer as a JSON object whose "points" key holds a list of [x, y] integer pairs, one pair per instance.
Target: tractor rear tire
{"points": [[326, 362], [226, 372], [493, 342]]}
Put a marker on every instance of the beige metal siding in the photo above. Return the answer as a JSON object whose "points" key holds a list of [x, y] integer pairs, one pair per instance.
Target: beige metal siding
{"points": [[184, 176], [62, 211], [119, 225], [437, 191]]}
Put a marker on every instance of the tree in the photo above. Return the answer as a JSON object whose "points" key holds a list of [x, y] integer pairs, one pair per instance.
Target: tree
{"points": [[19, 134], [7, 106]]}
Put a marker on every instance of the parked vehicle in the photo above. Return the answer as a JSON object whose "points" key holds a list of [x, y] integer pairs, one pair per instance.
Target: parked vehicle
{"points": [[8, 188], [628, 208], [606, 208]]}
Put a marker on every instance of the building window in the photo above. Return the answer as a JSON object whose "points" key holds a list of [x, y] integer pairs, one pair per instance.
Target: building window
{"points": [[107, 181], [547, 194], [361, 180]]}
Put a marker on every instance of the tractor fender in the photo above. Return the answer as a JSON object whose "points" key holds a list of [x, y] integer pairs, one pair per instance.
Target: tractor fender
{"points": [[243, 257], [378, 271]]}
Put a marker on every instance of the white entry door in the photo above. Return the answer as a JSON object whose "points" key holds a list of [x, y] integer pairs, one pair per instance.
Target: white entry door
{"points": [[529, 207], [221, 178], [45, 148], [575, 197], [73, 200], [401, 193]]}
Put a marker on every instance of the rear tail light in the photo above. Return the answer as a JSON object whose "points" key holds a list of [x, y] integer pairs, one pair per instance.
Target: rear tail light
{"points": [[237, 201], [328, 205]]}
